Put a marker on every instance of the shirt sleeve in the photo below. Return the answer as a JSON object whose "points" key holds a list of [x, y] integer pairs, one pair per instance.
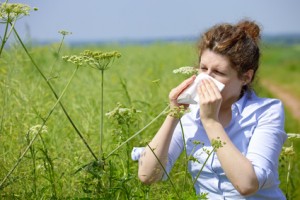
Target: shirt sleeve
{"points": [[175, 149], [266, 143]]}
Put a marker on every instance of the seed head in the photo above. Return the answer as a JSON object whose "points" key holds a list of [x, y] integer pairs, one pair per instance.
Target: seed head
{"points": [[193, 159], [197, 142], [10, 12], [76, 60], [64, 33], [94, 59], [98, 59]]}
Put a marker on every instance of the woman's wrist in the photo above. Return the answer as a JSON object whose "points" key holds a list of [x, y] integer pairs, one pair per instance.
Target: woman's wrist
{"points": [[210, 123]]}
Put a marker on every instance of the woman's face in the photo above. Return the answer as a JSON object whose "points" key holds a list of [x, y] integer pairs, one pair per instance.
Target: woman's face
{"points": [[218, 67]]}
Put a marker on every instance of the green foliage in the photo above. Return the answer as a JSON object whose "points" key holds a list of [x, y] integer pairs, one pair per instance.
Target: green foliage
{"points": [[58, 164]]}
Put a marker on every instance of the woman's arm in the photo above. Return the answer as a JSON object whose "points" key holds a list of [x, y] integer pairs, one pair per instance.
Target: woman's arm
{"points": [[266, 142], [150, 169], [237, 167]]}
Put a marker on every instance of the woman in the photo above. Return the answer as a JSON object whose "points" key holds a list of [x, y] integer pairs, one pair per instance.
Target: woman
{"points": [[251, 129]]}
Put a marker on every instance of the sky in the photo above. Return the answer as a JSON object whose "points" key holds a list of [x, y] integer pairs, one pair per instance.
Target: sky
{"points": [[113, 20]]}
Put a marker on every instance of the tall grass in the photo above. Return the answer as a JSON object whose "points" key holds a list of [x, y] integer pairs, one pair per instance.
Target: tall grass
{"points": [[145, 72], [58, 163]]}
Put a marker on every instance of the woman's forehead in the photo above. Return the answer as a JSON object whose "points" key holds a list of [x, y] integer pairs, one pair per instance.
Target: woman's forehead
{"points": [[213, 59]]}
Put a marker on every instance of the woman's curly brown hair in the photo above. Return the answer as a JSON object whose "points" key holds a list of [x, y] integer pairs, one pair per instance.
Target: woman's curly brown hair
{"points": [[239, 43]]}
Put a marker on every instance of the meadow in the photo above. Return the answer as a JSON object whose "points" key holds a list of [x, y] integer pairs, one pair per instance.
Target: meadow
{"points": [[70, 115], [58, 164]]}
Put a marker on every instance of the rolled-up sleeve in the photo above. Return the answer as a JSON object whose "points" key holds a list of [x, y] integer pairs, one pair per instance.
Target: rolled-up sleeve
{"points": [[175, 149], [266, 143]]}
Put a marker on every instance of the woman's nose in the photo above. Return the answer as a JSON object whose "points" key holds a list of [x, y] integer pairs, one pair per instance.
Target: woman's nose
{"points": [[208, 72]]}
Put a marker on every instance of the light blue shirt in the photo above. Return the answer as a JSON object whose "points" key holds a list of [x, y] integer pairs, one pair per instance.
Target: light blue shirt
{"points": [[256, 129]]}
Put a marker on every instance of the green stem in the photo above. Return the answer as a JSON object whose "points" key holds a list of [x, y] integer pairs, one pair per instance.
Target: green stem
{"points": [[38, 132], [147, 195], [165, 171], [128, 151], [203, 166], [50, 168], [60, 46], [58, 52], [3, 107], [137, 133], [288, 175], [186, 156], [56, 96], [4, 38], [288, 179], [124, 86], [102, 114], [33, 158]]}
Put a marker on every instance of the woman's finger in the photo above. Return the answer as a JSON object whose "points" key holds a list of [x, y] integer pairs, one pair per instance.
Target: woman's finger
{"points": [[181, 87], [214, 89]]}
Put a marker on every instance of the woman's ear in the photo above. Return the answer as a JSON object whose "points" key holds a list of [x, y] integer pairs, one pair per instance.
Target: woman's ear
{"points": [[247, 76]]}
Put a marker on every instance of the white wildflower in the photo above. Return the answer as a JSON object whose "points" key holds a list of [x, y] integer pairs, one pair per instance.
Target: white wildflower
{"points": [[10, 12], [293, 135], [289, 151], [35, 129], [187, 70]]}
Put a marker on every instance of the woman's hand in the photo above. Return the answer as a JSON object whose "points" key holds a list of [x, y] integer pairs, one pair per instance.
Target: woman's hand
{"points": [[175, 92], [210, 100]]}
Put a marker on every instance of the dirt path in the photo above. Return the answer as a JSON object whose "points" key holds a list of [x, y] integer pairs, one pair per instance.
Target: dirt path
{"points": [[290, 101]]}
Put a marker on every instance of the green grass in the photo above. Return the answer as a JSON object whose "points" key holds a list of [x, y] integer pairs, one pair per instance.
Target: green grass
{"points": [[281, 65], [141, 78]]}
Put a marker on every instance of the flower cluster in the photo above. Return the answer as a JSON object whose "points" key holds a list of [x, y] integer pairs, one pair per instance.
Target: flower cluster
{"points": [[36, 129], [217, 143], [94, 59], [122, 114], [76, 60], [64, 33], [287, 156], [186, 70], [288, 151], [10, 12], [177, 112], [100, 60], [293, 135]]}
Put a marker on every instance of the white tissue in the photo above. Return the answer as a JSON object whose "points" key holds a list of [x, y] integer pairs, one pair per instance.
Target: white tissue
{"points": [[189, 95]]}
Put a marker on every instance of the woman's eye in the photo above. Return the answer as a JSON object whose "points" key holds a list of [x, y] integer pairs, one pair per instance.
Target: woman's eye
{"points": [[220, 73]]}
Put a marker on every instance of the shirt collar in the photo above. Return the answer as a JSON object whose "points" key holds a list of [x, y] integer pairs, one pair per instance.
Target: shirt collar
{"points": [[240, 104]]}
